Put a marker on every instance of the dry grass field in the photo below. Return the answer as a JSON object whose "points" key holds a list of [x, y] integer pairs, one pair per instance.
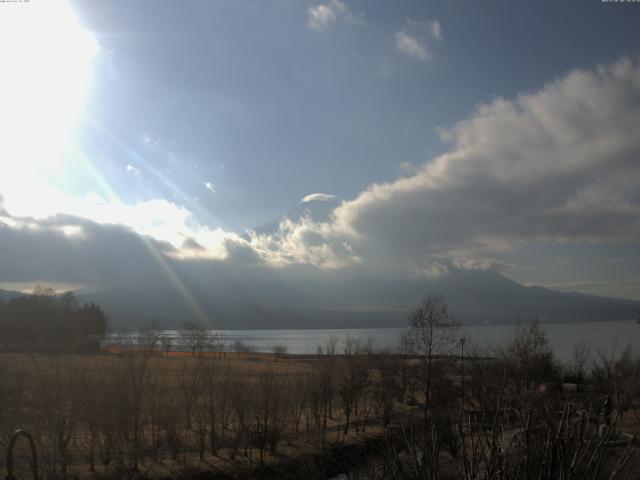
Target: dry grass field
{"points": [[162, 415], [146, 414]]}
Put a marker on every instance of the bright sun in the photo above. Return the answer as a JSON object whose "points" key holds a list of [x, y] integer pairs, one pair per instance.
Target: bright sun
{"points": [[45, 57]]}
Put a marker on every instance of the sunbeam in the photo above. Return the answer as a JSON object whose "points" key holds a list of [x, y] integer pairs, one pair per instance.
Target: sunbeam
{"points": [[173, 277]]}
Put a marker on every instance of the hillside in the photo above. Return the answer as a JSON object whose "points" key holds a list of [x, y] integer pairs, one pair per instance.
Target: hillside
{"points": [[475, 297]]}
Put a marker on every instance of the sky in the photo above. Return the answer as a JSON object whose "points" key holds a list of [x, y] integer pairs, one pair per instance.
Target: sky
{"points": [[494, 136]]}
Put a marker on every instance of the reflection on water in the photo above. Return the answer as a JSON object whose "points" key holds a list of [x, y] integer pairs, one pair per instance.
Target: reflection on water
{"points": [[602, 336]]}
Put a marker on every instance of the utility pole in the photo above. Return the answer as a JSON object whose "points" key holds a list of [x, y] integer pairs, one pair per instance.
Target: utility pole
{"points": [[462, 340]]}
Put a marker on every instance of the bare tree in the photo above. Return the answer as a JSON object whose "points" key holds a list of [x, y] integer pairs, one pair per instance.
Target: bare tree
{"points": [[218, 340], [297, 398], [240, 347], [270, 411], [86, 404], [149, 337], [133, 372], [242, 410], [11, 398], [542, 444], [320, 390], [279, 350], [194, 336], [387, 387], [189, 381], [431, 331], [580, 357], [166, 341], [619, 377], [169, 425], [58, 416], [43, 291], [155, 389], [216, 397], [353, 374], [528, 359], [330, 347]]}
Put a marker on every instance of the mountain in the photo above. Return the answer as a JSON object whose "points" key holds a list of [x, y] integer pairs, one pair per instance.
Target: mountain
{"points": [[474, 297], [316, 207], [489, 297], [6, 295], [255, 296], [302, 296]]}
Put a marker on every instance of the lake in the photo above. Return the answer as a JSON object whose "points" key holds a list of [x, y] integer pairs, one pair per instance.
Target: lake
{"points": [[603, 336]]}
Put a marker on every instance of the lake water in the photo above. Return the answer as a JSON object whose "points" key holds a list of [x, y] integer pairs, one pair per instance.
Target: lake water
{"points": [[602, 336]]}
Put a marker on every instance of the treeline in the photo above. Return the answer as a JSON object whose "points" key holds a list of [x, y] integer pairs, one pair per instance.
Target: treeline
{"points": [[46, 322]]}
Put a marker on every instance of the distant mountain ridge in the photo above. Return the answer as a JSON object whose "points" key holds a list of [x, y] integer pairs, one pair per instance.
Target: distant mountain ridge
{"points": [[474, 298], [6, 295], [302, 296]]}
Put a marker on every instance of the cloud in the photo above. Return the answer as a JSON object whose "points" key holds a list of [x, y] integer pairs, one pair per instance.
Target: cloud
{"points": [[134, 277], [432, 28], [304, 242], [554, 166], [40, 250], [411, 46], [436, 30], [557, 165], [137, 279], [191, 244], [160, 219], [320, 197], [415, 38], [407, 168], [623, 288], [209, 186], [150, 142], [132, 170], [319, 17]]}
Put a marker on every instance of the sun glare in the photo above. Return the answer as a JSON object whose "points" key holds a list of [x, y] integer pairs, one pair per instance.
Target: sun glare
{"points": [[46, 60]]}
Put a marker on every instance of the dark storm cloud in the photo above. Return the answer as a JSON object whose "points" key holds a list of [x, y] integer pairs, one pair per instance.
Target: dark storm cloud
{"points": [[71, 249]]}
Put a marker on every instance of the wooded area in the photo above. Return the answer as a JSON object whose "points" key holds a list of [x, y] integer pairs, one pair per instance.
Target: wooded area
{"points": [[46, 322]]}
